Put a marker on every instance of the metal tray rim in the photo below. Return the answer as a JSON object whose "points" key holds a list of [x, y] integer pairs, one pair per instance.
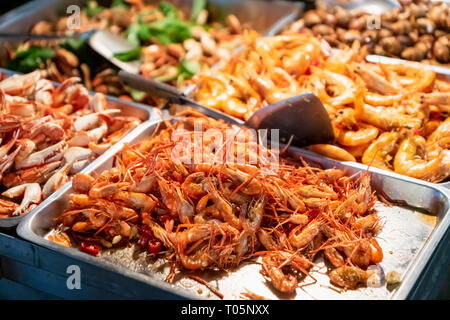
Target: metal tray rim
{"points": [[278, 26]]}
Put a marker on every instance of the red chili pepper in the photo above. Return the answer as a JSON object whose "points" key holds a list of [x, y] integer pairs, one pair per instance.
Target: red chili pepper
{"points": [[417, 131], [145, 229], [90, 248], [154, 246], [143, 241]]}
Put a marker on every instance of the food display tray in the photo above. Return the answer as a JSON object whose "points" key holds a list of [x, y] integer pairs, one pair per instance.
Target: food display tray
{"points": [[410, 235], [127, 108]]}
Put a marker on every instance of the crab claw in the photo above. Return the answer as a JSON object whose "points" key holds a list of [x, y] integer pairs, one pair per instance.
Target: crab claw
{"points": [[31, 197]]}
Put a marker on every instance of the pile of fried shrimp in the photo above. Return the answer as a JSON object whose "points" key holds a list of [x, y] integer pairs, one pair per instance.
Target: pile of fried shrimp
{"points": [[214, 215], [48, 134], [389, 116]]}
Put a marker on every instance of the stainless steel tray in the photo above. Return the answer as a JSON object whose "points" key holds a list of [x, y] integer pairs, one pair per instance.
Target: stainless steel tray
{"points": [[266, 17], [408, 239], [127, 108]]}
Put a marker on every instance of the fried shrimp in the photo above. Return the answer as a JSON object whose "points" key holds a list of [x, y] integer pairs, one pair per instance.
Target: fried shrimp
{"points": [[381, 151], [214, 216], [364, 100], [406, 162], [332, 151]]}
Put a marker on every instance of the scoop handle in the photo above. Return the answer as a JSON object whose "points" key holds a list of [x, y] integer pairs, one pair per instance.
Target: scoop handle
{"points": [[171, 93], [153, 87]]}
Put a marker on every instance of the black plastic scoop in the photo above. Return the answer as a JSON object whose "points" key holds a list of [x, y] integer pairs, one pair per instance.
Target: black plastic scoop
{"points": [[303, 117]]}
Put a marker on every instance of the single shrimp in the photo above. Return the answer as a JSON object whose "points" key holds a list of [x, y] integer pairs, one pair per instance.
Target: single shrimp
{"points": [[119, 212], [376, 99], [266, 240], [349, 277], [288, 196], [249, 186], [299, 219], [252, 215], [193, 185], [310, 191], [414, 76], [272, 263], [369, 223], [103, 189], [82, 183], [201, 259], [330, 175], [145, 184], [192, 234], [384, 118], [81, 200], [300, 236], [375, 81], [357, 202], [224, 207], [360, 253], [185, 208], [380, 152], [332, 151], [342, 88], [205, 211], [363, 134], [440, 99], [334, 256], [136, 200], [247, 240], [406, 162]]}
